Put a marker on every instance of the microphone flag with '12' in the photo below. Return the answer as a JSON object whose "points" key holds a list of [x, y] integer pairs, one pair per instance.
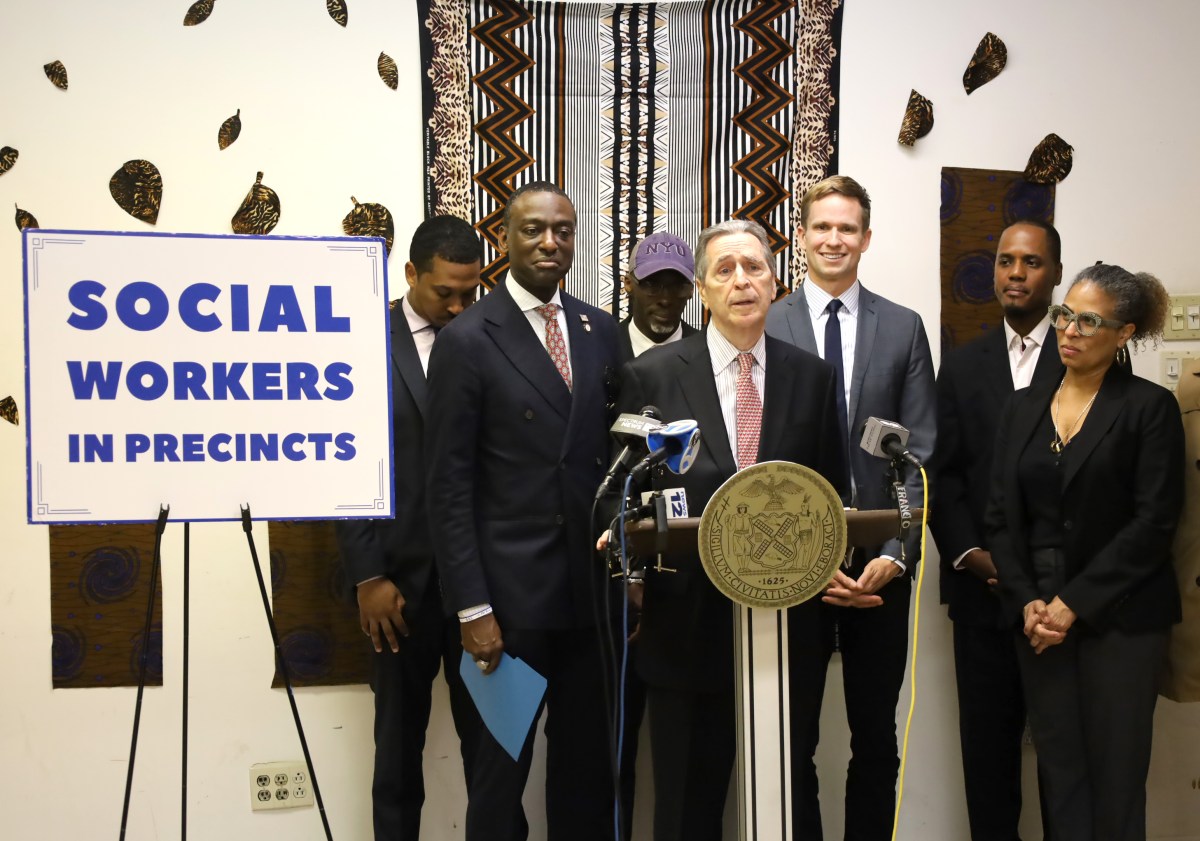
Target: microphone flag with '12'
{"points": [[674, 445], [887, 439], [630, 432]]}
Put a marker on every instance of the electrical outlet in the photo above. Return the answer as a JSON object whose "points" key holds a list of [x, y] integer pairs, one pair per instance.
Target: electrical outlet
{"points": [[1171, 362], [1183, 318], [280, 785]]}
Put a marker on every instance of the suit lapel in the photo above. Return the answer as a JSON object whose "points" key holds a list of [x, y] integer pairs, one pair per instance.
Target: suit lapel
{"points": [[406, 360], [779, 384], [864, 345], [510, 330], [995, 372], [1049, 367], [1109, 402], [700, 392], [799, 322], [1025, 422], [585, 362]]}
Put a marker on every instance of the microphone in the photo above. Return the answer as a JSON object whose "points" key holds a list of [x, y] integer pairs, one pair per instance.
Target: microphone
{"points": [[887, 439], [674, 445], [630, 431]]}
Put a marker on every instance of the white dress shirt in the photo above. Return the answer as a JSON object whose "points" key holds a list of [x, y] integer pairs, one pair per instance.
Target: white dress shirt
{"points": [[423, 333], [639, 342], [528, 304], [818, 302]]}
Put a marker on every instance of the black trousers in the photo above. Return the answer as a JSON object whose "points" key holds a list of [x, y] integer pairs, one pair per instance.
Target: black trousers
{"points": [[403, 686], [874, 646], [579, 772], [1091, 706], [693, 742]]}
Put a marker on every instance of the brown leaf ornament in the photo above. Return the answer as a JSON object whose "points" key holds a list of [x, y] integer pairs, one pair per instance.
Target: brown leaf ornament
{"points": [[370, 220], [990, 57], [25, 219], [8, 159], [918, 119], [229, 131], [8, 411], [137, 189], [198, 12], [1050, 161], [387, 70], [259, 212], [56, 72], [338, 11]]}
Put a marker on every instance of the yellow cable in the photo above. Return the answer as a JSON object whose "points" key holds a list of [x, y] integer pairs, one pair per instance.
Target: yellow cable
{"points": [[912, 683]]}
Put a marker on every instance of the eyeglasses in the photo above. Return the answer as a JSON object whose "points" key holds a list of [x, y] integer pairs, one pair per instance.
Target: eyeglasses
{"points": [[675, 288], [1087, 323]]}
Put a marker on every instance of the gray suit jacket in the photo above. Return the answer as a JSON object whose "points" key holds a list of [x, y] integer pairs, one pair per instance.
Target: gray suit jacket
{"points": [[892, 380]]}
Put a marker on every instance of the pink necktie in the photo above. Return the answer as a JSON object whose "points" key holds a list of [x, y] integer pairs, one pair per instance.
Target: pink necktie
{"points": [[749, 413], [555, 345]]}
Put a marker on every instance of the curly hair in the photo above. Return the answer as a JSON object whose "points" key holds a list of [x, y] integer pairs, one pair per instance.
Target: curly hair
{"points": [[1138, 299]]}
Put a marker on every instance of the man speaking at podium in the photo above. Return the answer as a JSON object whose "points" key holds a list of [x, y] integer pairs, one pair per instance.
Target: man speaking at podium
{"points": [[755, 399]]}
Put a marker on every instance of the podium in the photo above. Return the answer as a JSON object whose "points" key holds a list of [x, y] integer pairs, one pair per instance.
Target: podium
{"points": [[761, 662]]}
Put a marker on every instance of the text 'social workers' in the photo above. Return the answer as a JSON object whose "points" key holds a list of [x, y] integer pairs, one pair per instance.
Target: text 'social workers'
{"points": [[206, 308]]}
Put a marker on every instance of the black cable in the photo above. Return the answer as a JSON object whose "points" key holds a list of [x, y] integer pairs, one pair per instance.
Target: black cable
{"points": [[283, 670], [187, 585], [602, 617], [159, 526]]}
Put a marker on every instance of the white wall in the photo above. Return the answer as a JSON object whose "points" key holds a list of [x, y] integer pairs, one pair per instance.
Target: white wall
{"points": [[1107, 76]]}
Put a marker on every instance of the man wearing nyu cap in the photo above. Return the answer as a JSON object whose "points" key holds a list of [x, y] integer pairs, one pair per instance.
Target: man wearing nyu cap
{"points": [[658, 282]]}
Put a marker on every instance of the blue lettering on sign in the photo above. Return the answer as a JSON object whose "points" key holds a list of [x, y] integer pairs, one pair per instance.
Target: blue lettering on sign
{"points": [[155, 315], [85, 296], [97, 378], [189, 307]]}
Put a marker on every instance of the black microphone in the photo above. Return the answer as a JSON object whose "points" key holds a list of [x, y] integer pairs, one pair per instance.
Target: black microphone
{"points": [[887, 439], [630, 431]]}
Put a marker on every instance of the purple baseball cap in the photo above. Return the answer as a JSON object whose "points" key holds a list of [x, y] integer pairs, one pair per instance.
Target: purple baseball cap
{"points": [[661, 251]]}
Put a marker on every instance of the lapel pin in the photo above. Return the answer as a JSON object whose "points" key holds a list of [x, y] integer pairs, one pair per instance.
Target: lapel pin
{"points": [[586, 326]]}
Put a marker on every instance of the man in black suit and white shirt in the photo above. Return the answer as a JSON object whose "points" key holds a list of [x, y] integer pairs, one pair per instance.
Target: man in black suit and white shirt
{"points": [[659, 284], [399, 598], [881, 354], [518, 444], [686, 642], [974, 383]]}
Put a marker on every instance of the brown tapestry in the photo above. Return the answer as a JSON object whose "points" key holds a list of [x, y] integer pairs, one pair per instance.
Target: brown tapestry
{"points": [[99, 586], [315, 612], [977, 205]]}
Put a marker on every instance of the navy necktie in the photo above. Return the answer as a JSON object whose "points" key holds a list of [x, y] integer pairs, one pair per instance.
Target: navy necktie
{"points": [[833, 355]]}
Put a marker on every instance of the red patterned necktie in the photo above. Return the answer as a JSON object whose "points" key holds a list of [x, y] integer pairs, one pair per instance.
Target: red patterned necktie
{"points": [[749, 413], [555, 345]]}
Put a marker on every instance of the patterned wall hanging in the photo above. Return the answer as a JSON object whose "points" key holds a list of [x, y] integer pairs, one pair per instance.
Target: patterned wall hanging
{"points": [[653, 117], [314, 606], [99, 586], [977, 205]]}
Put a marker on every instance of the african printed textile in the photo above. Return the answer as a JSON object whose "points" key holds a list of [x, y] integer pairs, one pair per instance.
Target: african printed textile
{"points": [[977, 205], [653, 117]]}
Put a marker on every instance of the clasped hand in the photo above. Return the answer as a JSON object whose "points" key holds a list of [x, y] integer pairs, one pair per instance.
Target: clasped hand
{"points": [[1046, 625], [844, 591]]}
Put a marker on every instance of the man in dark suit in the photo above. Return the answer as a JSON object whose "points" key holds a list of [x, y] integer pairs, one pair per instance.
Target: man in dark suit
{"points": [[686, 642], [518, 443], [391, 561], [974, 383], [881, 354], [658, 282]]}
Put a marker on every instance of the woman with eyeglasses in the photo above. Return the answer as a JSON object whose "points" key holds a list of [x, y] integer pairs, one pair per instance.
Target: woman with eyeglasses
{"points": [[1086, 494]]}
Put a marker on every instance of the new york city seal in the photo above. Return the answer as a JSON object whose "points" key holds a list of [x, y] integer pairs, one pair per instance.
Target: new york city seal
{"points": [[773, 535]]}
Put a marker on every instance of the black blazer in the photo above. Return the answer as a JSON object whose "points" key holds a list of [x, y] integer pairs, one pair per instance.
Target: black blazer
{"points": [[625, 345], [687, 624], [972, 386], [1122, 496], [515, 460], [399, 548]]}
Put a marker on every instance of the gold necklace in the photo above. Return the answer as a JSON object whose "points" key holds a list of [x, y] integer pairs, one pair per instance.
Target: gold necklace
{"points": [[1057, 445]]}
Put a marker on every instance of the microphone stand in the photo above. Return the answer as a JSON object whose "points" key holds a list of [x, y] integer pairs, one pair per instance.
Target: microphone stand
{"points": [[898, 491]]}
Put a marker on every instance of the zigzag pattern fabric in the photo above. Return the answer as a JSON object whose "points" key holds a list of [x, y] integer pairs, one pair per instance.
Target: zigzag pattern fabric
{"points": [[652, 116]]}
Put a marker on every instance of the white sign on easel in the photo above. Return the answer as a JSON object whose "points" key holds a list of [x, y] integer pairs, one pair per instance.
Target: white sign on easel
{"points": [[202, 372]]}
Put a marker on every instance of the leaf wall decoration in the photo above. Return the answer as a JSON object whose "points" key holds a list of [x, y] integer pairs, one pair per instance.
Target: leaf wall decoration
{"points": [[25, 219], [8, 411], [338, 11], [1050, 161], [8, 158], [918, 119], [137, 189], [370, 220], [198, 12], [990, 57], [56, 72], [387, 70], [259, 212], [230, 129]]}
